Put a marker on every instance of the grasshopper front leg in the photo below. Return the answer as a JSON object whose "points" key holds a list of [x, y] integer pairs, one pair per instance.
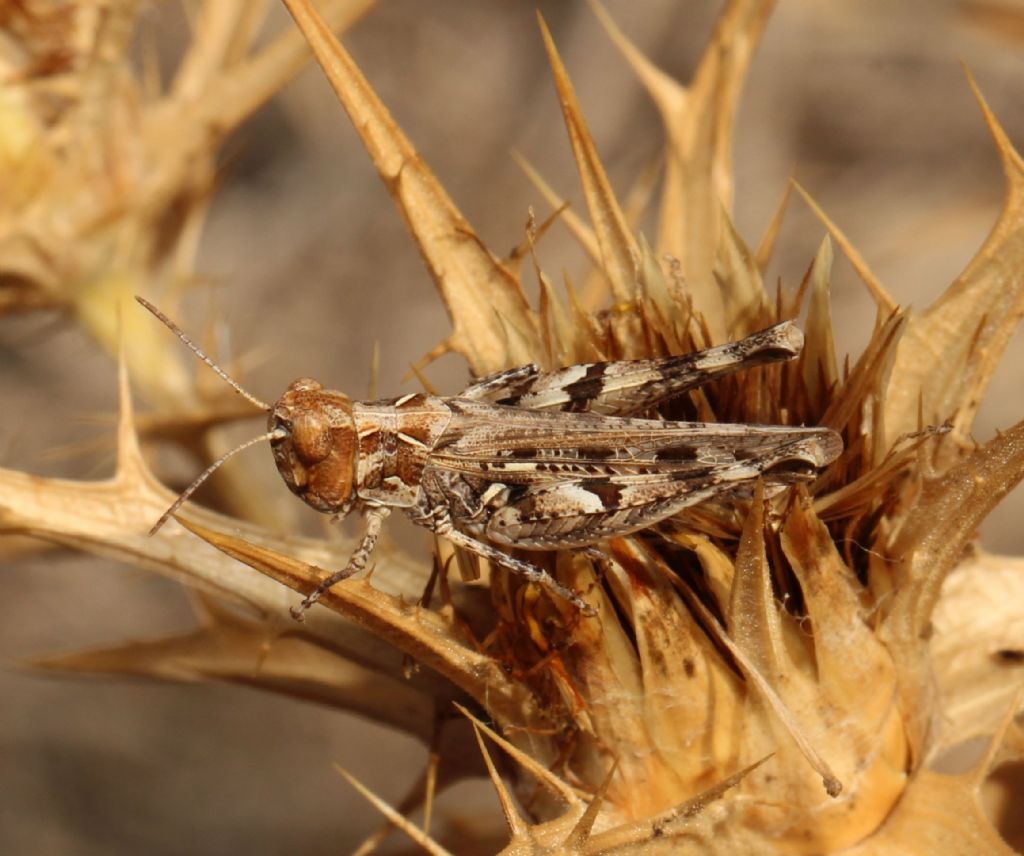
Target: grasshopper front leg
{"points": [[373, 522]]}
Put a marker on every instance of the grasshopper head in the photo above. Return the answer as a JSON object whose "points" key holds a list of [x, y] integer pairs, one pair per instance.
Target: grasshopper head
{"points": [[314, 444]]}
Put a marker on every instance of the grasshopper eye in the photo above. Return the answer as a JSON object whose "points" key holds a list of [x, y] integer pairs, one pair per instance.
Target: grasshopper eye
{"points": [[311, 435]]}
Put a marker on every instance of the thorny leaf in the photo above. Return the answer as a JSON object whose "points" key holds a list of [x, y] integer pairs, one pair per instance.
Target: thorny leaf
{"points": [[766, 246], [408, 827], [481, 294], [422, 634], [583, 233], [518, 826], [233, 648], [867, 381], [698, 121], [930, 542], [739, 282], [821, 375], [949, 352], [977, 646], [946, 516], [886, 305], [941, 813], [684, 826], [937, 814], [112, 518], [543, 776], [618, 249]]}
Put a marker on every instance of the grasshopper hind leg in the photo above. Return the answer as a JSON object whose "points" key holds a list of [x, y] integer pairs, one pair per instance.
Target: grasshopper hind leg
{"points": [[531, 572]]}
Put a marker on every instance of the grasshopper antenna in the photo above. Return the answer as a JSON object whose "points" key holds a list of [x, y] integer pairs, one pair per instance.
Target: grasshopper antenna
{"points": [[262, 405], [174, 328], [205, 474]]}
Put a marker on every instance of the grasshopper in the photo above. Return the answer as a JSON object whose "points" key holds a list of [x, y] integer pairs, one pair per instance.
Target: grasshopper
{"points": [[524, 458]]}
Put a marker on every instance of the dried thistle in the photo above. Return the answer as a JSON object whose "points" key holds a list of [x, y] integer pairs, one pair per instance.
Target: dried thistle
{"points": [[749, 659]]}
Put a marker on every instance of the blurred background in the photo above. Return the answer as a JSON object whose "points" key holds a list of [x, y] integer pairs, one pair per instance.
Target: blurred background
{"points": [[310, 267]]}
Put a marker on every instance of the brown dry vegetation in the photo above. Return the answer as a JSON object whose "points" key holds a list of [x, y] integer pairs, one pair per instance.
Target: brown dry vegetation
{"points": [[280, 247]]}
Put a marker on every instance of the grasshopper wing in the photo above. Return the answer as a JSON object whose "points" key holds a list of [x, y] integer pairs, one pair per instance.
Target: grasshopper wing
{"points": [[630, 386]]}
